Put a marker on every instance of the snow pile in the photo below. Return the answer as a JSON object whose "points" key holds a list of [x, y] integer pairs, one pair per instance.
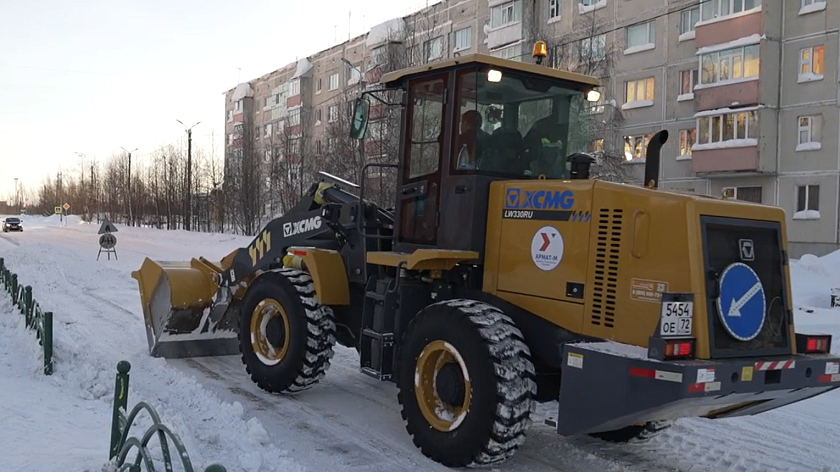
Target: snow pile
{"points": [[98, 322], [390, 30]]}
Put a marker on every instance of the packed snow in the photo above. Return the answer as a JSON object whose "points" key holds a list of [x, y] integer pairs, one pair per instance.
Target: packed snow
{"points": [[347, 422]]}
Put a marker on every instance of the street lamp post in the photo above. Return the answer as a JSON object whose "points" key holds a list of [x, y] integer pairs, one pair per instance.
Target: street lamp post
{"points": [[188, 200], [17, 200], [130, 217]]}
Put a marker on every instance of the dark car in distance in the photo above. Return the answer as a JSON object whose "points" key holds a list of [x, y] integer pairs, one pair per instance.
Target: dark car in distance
{"points": [[12, 224]]}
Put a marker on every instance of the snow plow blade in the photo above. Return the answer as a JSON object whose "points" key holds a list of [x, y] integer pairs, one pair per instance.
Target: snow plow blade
{"points": [[185, 313], [607, 386]]}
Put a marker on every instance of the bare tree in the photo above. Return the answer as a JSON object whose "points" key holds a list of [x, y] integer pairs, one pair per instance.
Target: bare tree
{"points": [[587, 50]]}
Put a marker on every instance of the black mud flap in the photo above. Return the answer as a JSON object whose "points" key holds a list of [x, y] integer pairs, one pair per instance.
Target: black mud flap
{"points": [[606, 386]]}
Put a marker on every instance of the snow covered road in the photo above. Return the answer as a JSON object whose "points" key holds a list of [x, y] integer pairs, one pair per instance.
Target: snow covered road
{"points": [[347, 422]]}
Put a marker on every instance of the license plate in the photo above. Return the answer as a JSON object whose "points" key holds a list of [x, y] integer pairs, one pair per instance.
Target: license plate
{"points": [[676, 319]]}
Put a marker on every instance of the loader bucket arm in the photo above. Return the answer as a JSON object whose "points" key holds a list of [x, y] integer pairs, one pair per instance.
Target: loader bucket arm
{"points": [[192, 308]]}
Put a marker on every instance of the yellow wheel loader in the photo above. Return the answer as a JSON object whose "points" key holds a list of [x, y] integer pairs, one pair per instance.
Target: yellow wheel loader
{"points": [[506, 276]]}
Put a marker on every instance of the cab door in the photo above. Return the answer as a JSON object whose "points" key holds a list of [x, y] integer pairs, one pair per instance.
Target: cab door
{"points": [[420, 178]]}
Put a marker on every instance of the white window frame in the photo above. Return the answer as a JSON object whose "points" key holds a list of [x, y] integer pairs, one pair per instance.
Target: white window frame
{"points": [[505, 14], [722, 9], [230, 116], [294, 117], [810, 76], [693, 80], [687, 26], [294, 87], [433, 49], [735, 59], [595, 43], [800, 212], [333, 82], [332, 114], [812, 6], [710, 122], [812, 131], [688, 138], [515, 53], [237, 106], [318, 85], [651, 38], [631, 142], [644, 83], [555, 10], [462, 39]]}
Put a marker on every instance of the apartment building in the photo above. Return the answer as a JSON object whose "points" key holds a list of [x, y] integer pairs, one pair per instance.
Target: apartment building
{"points": [[746, 88]]}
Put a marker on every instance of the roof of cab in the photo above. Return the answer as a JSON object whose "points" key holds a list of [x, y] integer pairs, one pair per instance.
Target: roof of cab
{"points": [[397, 75]]}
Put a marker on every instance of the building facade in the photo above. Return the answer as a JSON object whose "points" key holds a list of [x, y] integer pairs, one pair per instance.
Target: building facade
{"points": [[748, 90]]}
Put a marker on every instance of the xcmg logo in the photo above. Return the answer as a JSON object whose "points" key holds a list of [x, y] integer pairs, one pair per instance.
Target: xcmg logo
{"points": [[302, 226], [518, 199]]}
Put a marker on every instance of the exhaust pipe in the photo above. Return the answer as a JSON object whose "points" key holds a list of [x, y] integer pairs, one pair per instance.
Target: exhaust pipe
{"points": [[652, 158]]}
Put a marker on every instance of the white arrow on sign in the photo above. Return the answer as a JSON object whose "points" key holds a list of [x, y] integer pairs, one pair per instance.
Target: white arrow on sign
{"points": [[735, 307]]}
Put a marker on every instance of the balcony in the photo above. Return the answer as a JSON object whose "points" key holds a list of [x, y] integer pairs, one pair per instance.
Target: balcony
{"points": [[727, 141], [733, 159], [727, 27]]}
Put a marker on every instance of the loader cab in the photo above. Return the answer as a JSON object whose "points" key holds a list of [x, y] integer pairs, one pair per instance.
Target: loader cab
{"points": [[467, 122]]}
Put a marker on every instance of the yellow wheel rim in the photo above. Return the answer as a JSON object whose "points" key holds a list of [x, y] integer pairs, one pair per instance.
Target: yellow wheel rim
{"points": [[267, 319], [446, 405]]}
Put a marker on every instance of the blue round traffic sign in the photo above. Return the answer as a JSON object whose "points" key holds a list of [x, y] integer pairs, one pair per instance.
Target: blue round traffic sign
{"points": [[741, 303]]}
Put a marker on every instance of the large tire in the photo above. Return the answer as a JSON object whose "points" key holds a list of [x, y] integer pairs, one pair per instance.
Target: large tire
{"points": [[490, 412], [292, 351]]}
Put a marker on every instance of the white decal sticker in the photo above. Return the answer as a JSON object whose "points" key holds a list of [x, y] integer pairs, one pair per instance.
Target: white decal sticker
{"points": [[705, 375], [575, 360], [547, 248], [832, 367], [712, 386]]}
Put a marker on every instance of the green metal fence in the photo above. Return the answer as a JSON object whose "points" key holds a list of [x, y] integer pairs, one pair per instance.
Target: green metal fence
{"points": [[36, 319], [122, 444]]}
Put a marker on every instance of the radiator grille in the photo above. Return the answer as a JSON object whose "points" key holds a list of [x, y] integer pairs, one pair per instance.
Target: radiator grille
{"points": [[607, 251]]}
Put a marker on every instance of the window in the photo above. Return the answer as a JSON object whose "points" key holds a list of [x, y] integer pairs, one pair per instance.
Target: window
{"points": [[378, 56], [511, 52], [597, 107], [688, 19], [809, 130], [463, 39], [230, 116], [715, 130], [332, 113], [811, 63], [688, 79], [506, 13], [294, 87], [318, 85], [729, 64], [237, 106], [433, 49], [318, 147], [747, 194], [333, 84], [808, 199], [810, 3], [641, 35], [317, 115], [554, 9], [593, 48], [712, 9], [687, 139], [635, 147], [639, 91], [267, 130], [596, 145], [353, 74], [294, 117]]}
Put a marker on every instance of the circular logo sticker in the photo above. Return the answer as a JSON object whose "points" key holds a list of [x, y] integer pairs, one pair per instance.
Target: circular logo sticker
{"points": [[547, 248], [741, 303]]}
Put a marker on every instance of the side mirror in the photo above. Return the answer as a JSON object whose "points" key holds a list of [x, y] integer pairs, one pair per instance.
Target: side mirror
{"points": [[361, 113]]}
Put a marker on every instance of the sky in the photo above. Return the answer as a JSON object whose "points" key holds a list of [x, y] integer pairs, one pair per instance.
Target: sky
{"points": [[94, 76]]}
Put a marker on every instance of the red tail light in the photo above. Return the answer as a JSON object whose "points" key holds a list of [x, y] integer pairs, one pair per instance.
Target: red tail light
{"points": [[679, 348], [811, 344]]}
